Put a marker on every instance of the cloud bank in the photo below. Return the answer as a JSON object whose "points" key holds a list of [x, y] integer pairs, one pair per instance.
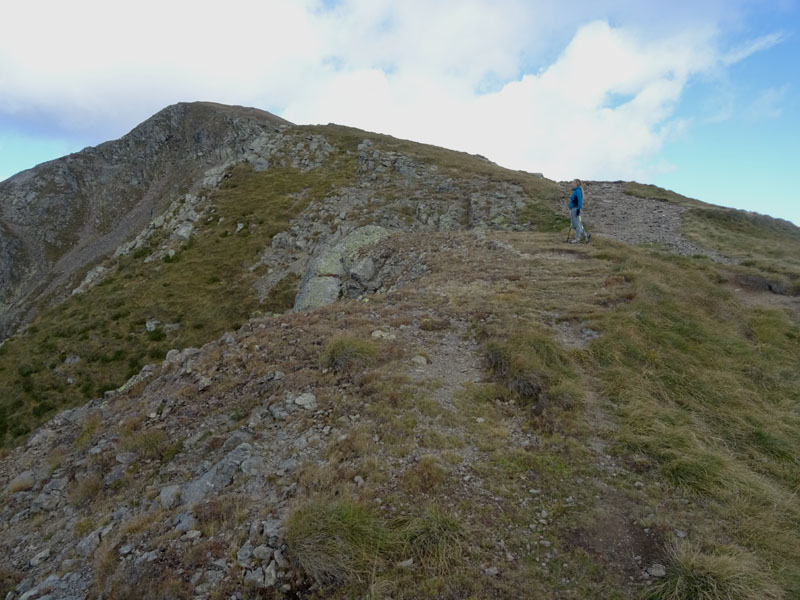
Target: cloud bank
{"points": [[526, 83]]}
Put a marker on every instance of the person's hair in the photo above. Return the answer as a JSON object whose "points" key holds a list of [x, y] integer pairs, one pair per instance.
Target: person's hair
{"points": [[578, 181]]}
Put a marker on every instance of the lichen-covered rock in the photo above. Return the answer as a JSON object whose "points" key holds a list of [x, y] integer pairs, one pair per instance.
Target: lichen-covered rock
{"points": [[322, 282]]}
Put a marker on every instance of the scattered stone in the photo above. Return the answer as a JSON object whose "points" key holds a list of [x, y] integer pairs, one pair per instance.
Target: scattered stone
{"points": [[405, 564], [169, 496], [151, 324], [657, 570], [40, 557], [359, 481], [255, 578], [244, 554], [638, 485], [492, 571], [126, 458], [307, 401], [271, 575], [89, 544], [185, 522], [419, 360], [681, 534], [262, 552], [279, 560]]}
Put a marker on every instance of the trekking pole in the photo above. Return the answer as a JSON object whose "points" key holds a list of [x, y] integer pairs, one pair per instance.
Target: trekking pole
{"points": [[568, 232]]}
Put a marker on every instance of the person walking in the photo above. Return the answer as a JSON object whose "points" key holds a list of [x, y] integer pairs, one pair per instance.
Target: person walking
{"points": [[575, 205]]}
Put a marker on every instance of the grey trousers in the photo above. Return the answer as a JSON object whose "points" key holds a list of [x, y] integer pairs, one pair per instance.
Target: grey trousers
{"points": [[576, 223]]}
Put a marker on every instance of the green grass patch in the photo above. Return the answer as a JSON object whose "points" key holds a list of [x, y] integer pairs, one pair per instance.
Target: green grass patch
{"points": [[708, 389], [653, 192], [281, 296], [766, 247]]}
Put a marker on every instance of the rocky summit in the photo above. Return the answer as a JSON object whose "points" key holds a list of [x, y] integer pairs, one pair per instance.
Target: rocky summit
{"points": [[242, 358]]}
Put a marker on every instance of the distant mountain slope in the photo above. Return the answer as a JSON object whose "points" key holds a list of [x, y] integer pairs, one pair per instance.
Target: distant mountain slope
{"points": [[61, 216]]}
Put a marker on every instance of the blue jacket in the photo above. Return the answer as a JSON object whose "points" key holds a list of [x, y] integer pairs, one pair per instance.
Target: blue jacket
{"points": [[576, 199]]}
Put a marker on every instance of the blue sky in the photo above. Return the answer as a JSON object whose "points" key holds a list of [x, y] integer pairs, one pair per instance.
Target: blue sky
{"points": [[699, 96]]}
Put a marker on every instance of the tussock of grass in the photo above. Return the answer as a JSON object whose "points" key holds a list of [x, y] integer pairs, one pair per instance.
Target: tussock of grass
{"points": [[729, 574], [85, 490], [345, 353], [425, 476], [531, 364], [435, 539], [148, 445], [337, 541], [344, 542]]}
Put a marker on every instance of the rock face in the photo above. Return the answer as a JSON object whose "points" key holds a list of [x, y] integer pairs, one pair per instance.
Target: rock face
{"points": [[59, 217]]}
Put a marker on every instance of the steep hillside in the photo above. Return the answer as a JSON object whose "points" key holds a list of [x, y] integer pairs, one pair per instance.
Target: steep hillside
{"points": [[61, 216], [460, 404]]}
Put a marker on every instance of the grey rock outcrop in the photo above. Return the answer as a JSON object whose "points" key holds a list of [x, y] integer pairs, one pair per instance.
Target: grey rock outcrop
{"points": [[325, 276]]}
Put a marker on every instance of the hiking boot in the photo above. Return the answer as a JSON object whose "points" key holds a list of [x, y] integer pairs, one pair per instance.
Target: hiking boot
{"points": [[588, 237], [574, 241]]}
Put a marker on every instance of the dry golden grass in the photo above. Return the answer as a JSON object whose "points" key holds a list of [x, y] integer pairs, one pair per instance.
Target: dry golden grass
{"points": [[85, 491]]}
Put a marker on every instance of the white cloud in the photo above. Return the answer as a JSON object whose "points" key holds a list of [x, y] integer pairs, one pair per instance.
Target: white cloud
{"points": [[417, 69], [768, 104], [750, 47], [557, 121]]}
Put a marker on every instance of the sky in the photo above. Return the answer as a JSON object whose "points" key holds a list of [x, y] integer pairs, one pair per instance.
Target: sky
{"points": [[698, 96]]}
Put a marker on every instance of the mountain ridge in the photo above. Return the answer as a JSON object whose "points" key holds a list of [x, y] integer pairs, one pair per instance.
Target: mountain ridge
{"points": [[470, 408]]}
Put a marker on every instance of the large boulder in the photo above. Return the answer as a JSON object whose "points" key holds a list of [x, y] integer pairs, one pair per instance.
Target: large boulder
{"points": [[326, 274]]}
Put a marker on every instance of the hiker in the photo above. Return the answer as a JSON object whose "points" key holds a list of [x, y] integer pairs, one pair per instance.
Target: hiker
{"points": [[575, 205]]}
